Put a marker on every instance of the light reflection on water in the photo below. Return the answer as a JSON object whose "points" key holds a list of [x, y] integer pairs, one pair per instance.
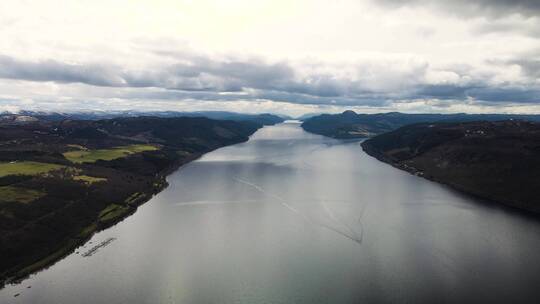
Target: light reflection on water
{"points": [[291, 217]]}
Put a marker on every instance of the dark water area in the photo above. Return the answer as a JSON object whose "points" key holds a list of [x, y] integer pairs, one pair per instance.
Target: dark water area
{"points": [[292, 217]]}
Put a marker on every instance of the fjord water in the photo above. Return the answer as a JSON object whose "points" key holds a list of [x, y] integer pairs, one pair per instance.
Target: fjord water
{"points": [[292, 217]]}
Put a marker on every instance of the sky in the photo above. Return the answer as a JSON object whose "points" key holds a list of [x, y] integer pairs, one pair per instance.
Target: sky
{"points": [[280, 56]]}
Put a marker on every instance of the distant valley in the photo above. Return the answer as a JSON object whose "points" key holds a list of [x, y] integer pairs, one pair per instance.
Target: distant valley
{"points": [[65, 176]]}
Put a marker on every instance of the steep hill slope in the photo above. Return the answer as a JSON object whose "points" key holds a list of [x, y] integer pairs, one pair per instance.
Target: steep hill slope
{"points": [[498, 161]]}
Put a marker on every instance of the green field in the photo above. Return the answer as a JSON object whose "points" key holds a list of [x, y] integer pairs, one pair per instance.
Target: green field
{"points": [[90, 156], [20, 195], [26, 168], [89, 179], [111, 212]]}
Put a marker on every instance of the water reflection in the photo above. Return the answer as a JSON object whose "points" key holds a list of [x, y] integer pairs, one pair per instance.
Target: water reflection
{"points": [[291, 217]]}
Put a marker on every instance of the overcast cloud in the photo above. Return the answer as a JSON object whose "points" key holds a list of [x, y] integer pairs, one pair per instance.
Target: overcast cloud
{"points": [[281, 56], [475, 8]]}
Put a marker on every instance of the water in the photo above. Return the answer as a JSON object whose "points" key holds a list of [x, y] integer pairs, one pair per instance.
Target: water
{"points": [[291, 217]]}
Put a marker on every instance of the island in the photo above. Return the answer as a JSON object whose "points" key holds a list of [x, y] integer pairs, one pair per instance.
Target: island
{"points": [[61, 180], [495, 161]]}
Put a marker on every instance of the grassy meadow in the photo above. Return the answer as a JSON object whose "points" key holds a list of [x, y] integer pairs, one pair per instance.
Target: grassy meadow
{"points": [[91, 156], [26, 168]]}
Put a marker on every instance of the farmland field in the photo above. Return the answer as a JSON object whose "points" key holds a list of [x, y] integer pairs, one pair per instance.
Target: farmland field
{"points": [[91, 156], [26, 168]]}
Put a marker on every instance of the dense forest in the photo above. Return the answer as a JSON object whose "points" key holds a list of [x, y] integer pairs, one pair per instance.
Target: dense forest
{"points": [[497, 161], [352, 125], [62, 180]]}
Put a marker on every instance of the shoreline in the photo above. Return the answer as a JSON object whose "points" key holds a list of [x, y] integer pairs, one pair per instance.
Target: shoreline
{"points": [[50, 257], [19, 274], [480, 197]]}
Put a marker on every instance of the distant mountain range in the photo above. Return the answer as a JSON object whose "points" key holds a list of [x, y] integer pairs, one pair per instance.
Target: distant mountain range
{"points": [[352, 125], [30, 116]]}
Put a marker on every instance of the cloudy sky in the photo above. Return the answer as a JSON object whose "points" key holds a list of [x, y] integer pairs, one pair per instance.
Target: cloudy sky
{"points": [[280, 56]]}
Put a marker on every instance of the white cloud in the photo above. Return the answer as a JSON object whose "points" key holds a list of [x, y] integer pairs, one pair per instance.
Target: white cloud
{"points": [[295, 56]]}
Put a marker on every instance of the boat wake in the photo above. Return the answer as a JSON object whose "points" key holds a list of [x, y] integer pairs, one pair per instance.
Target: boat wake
{"points": [[350, 234]]}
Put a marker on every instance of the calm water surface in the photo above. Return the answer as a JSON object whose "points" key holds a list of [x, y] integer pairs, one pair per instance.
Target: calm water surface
{"points": [[291, 217]]}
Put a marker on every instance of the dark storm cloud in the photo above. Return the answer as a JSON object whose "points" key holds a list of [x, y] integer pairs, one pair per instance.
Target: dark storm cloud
{"points": [[480, 92], [509, 94], [445, 91], [204, 78], [531, 29], [235, 75], [471, 8], [364, 100], [51, 70], [494, 13], [197, 74]]}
